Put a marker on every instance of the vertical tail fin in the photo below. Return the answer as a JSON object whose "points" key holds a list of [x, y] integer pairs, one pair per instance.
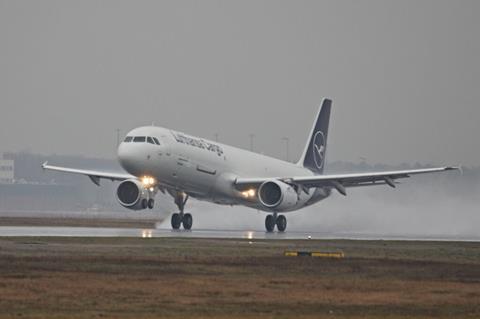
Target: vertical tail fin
{"points": [[313, 156]]}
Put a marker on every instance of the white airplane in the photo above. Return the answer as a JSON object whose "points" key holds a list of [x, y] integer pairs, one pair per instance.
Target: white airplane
{"points": [[160, 159]]}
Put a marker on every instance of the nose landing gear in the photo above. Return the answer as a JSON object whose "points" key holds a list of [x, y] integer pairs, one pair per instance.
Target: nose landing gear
{"points": [[280, 221], [151, 203], [148, 203]]}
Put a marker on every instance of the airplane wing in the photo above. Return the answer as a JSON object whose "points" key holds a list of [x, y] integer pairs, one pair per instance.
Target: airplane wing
{"points": [[341, 181], [95, 176]]}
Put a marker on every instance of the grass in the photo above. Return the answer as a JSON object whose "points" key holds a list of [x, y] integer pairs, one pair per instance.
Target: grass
{"points": [[77, 222], [220, 278]]}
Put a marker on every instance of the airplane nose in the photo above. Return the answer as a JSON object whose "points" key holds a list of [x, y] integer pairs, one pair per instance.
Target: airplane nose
{"points": [[126, 157]]}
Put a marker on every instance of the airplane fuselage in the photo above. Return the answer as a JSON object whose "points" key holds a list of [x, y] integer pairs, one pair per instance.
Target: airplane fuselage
{"points": [[205, 169]]}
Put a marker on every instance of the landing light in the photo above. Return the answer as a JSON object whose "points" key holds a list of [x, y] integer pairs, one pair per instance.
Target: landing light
{"points": [[148, 181], [248, 193]]}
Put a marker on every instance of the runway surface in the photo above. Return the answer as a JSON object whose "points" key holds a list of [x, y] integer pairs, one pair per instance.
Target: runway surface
{"points": [[40, 231]]}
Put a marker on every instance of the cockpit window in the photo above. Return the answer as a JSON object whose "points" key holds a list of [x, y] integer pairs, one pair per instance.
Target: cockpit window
{"points": [[139, 139], [142, 139]]}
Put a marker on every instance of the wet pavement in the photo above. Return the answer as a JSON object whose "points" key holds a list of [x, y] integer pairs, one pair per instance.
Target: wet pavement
{"points": [[41, 231]]}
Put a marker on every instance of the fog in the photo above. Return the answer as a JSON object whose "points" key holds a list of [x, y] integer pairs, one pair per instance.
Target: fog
{"points": [[360, 214], [403, 76], [443, 206], [417, 208]]}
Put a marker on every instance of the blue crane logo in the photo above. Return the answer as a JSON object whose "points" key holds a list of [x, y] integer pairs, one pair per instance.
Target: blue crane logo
{"points": [[319, 149]]}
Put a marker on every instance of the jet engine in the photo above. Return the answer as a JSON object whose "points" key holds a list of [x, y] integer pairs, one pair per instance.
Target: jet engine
{"points": [[132, 194], [277, 195]]}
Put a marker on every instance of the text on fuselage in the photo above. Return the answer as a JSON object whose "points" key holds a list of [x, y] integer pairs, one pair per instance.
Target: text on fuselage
{"points": [[197, 142]]}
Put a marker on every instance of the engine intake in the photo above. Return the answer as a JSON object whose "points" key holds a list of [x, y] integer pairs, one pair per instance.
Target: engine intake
{"points": [[131, 194], [277, 195]]}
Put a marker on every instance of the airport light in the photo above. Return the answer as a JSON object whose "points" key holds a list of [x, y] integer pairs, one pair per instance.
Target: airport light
{"points": [[146, 233]]}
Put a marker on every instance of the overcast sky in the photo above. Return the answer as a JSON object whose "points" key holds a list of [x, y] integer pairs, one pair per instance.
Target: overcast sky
{"points": [[404, 75]]}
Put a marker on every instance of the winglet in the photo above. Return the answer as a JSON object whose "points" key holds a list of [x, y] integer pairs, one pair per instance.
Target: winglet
{"points": [[454, 168], [460, 168], [44, 165]]}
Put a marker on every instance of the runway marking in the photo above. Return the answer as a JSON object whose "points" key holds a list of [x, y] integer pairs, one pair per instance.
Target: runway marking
{"points": [[322, 254]]}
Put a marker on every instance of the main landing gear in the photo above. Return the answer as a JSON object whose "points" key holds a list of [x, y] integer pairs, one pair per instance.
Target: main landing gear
{"points": [[272, 220], [181, 217]]}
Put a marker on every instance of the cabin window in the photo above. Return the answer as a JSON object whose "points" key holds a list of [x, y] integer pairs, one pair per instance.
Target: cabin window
{"points": [[128, 139], [156, 140], [139, 139], [150, 140]]}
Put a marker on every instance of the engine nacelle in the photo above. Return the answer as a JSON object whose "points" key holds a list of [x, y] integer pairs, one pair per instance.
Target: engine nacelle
{"points": [[132, 194], [277, 195]]}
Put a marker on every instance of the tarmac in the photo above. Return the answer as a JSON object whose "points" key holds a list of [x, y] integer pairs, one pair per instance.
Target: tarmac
{"points": [[47, 231]]}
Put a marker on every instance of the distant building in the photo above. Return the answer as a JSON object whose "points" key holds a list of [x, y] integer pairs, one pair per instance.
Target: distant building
{"points": [[6, 171]]}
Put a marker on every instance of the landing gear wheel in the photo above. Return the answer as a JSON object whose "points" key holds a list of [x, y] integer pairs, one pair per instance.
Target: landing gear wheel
{"points": [[270, 223], [176, 221], [144, 203], [281, 223], [187, 221], [151, 203]]}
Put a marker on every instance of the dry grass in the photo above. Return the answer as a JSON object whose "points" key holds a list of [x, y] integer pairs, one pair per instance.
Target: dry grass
{"points": [[151, 278], [77, 222]]}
